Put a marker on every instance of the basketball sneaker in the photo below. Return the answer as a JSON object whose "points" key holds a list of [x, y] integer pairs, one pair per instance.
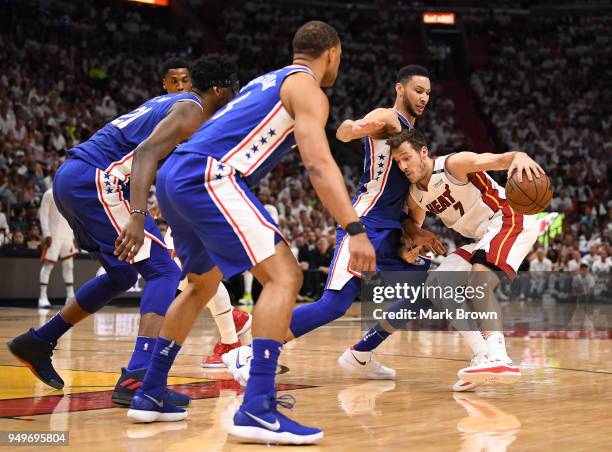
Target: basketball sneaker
{"points": [[462, 385], [242, 321], [131, 380], [220, 349], [238, 362], [491, 370], [365, 365], [44, 303], [145, 408], [259, 421], [36, 354]]}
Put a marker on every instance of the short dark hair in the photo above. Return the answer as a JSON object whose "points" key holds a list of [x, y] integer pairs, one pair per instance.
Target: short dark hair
{"points": [[213, 70], [315, 37], [412, 136], [173, 63], [412, 70]]}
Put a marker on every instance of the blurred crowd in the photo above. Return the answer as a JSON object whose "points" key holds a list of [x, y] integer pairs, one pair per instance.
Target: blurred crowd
{"points": [[69, 67]]}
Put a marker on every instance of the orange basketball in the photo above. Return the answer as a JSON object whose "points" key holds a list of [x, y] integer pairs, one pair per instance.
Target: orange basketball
{"points": [[529, 196]]}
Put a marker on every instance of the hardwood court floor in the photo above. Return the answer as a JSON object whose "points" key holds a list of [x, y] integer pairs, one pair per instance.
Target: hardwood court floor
{"points": [[562, 402]]}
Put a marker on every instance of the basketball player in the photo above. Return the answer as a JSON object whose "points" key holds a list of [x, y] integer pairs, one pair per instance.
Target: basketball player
{"points": [[232, 323], [176, 76], [382, 193], [222, 229], [58, 243], [91, 190], [457, 190]]}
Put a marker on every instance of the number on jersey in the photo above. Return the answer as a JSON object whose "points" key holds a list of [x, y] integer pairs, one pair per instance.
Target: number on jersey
{"points": [[124, 120]]}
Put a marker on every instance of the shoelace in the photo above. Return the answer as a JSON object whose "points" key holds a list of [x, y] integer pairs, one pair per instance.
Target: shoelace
{"points": [[286, 401]]}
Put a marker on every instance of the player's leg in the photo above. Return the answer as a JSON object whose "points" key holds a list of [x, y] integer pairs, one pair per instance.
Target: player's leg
{"points": [[45, 272], [151, 402], [67, 254], [499, 254], [258, 419], [231, 323], [161, 277], [49, 257], [341, 290], [359, 360], [247, 298], [76, 196]]}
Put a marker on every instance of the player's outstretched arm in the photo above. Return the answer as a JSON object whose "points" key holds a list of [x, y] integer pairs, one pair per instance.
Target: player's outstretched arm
{"points": [[182, 120], [378, 123], [308, 105], [463, 163]]}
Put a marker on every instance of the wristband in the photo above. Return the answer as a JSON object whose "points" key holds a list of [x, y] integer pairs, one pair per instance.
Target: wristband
{"points": [[138, 211], [355, 228]]}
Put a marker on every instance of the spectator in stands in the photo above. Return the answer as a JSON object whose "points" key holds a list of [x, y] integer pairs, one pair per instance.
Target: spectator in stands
{"points": [[602, 263], [539, 267], [574, 263]]}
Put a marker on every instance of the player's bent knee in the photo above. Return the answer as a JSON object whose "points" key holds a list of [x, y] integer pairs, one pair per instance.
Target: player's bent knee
{"points": [[335, 304], [122, 278]]}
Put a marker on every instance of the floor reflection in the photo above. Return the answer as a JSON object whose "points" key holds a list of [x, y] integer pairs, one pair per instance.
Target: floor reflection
{"points": [[486, 427]]}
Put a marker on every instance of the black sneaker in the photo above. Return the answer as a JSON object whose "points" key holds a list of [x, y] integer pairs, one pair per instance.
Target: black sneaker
{"points": [[36, 354], [131, 380]]}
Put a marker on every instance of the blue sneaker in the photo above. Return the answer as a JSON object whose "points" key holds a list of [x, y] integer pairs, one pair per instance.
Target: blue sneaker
{"points": [[259, 421], [145, 408], [131, 380]]}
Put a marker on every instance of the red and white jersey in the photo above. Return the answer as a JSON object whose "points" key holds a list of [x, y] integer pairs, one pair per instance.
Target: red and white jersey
{"points": [[467, 208]]}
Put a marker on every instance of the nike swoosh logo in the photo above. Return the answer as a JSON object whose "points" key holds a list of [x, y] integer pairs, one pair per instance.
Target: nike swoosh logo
{"points": [[155, 401], [238, 366], [363, 363], [274, 427]]}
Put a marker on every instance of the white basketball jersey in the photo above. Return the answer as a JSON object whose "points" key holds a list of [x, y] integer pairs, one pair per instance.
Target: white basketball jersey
{"points": [[464, 207]]}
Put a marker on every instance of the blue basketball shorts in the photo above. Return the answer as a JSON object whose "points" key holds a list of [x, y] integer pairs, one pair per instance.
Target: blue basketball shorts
{"points": [[96, 205], [214, 217]]}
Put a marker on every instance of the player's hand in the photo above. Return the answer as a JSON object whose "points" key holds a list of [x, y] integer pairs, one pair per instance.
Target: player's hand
{"points": [[522, 162], [363, 256], [424, 238], [131, 238], [47, 241], [365, 127], [408, 253]]}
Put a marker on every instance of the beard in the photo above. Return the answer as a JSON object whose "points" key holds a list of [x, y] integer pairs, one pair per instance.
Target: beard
{"points": [[408, 106]]}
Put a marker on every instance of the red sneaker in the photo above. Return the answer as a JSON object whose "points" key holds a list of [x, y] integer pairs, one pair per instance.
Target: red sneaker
{"points": [[220, 348], [242, 321]]}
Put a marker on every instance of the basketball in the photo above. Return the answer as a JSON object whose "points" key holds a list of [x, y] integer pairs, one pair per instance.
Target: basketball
{"points": [[529, 196]]}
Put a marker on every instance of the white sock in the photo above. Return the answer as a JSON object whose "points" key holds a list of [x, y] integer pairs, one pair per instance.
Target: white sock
{"points": [[496, 345], [221, 309], [67, 274], [45, 272], [475, 341], [248, 282]]}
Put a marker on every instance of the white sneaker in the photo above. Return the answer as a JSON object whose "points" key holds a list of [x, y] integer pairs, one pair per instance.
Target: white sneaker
{"points": [[493, 370], [463, 385], [43, 302], [238, 362], [365, 365]]}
